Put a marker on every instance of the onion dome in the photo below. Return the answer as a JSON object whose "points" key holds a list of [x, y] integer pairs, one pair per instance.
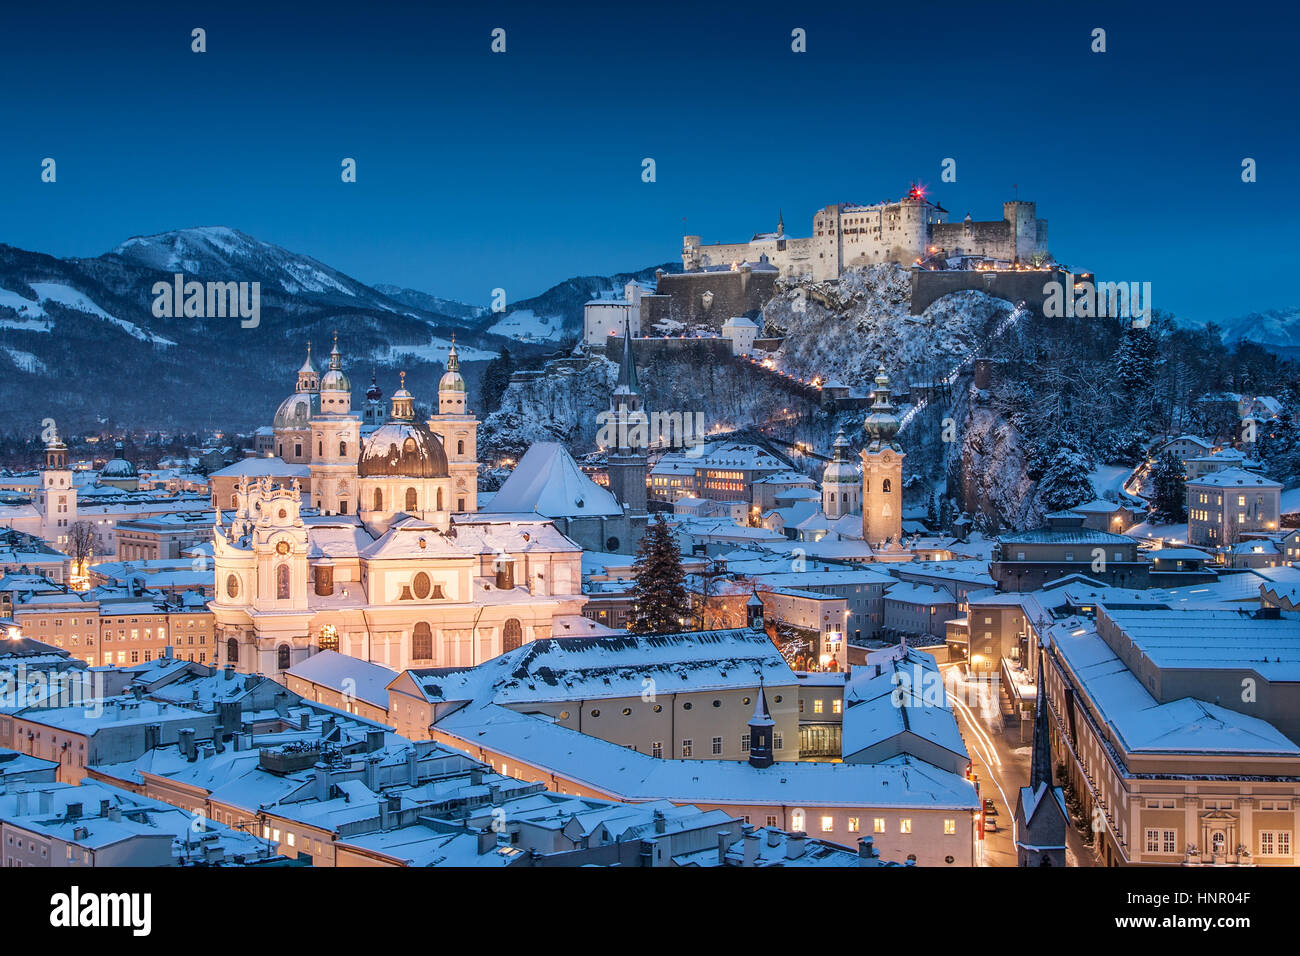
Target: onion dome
{"points": [[841, 470], [334, 380], [452, 380], [373, 393], [882, 424]]}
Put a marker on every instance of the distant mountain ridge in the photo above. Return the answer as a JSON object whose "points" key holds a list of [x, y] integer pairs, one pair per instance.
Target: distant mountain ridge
{"points": [[79, 341]]}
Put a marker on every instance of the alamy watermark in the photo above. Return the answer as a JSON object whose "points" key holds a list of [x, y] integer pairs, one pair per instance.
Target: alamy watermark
{"points": [[208, 300], [1085, 300], [628, 428]]}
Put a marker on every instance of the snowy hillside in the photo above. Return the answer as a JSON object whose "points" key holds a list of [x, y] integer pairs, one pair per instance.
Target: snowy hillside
{"points": [[844, 330]]}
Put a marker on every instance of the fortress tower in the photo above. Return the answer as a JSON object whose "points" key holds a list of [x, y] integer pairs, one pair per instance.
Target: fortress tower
{"points": [[882, 470]]}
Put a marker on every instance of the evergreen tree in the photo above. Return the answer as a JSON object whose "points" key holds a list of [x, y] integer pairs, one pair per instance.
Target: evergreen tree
{"points": [[1065, 481], [1135, 362], [932, 513], [1169, 499], [495, 379], [659, 603]]}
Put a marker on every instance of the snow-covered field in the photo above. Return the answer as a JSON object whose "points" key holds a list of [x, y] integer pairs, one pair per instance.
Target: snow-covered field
{"points": [[435, 350], [70, 298], [527, 326], [26, 361]]}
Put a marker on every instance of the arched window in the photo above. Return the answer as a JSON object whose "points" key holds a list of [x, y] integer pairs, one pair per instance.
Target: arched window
{"points": [[282, 582], [421, 585], [234, 501], [460, 447], [379, 500], [232, 586], [343, 449], [411, 499], [232, 651], [439, 499], [282, 657], [884, 486], [422, 643], [512, 635]]}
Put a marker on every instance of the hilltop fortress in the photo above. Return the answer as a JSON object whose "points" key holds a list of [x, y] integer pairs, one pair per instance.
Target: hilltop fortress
{"points": [[903, 231]]}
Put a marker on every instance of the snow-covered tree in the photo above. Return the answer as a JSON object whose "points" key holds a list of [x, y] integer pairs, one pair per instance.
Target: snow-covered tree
{"points": [[659, 601], [1169, 500], [1065, 482]]}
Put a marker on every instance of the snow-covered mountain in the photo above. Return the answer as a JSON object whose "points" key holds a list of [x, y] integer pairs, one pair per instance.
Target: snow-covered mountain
{"points": [[90, 322], [1275, 327]]}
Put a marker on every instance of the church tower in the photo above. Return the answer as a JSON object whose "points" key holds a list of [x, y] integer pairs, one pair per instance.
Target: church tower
{"points": [[841, 482], [457, 427], [627, 461], [336, 438], [882, 470], [56, 499]]}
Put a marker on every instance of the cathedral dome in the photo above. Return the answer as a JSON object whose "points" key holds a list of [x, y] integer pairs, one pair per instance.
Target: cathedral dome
{"points": [[118, 468], [404, 449], [297, 410]]}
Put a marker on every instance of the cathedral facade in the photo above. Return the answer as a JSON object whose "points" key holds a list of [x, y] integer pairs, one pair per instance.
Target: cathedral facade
{"points": [[384, 558]]}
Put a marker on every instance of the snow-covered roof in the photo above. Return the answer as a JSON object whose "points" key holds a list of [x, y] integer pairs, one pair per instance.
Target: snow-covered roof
{"points": [[1234, 478], [549, 482], [1142, 724], [262, 468], [922, 594], [341, 672]]}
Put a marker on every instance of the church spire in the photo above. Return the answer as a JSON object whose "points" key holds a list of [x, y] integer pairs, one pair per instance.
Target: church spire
{"points": [[627, 380], [453, 360], [760, 731], [1040, 768]]}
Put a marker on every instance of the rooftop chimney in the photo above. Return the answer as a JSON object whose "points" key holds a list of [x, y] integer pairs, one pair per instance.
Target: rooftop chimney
{"points": [[794, 845], [752, 840], [866, 850], [660, 822], [724, 841], [185, 741], [374, 740]]}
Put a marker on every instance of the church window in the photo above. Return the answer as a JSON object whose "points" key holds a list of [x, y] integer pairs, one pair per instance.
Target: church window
{"points": [[421, 585], [439, 499], [282, 582], [885, 486], [232, 586], [422, 643], [460, 504], [379, 500], [329, 638], [460, 448], [512, 635], [320, 448], [411, 500], [282, 657], [232, 651], [343, 449], [297, 449]]}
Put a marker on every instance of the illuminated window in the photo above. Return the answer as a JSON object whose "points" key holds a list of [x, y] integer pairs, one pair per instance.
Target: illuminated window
{"points": [[905, 825]]}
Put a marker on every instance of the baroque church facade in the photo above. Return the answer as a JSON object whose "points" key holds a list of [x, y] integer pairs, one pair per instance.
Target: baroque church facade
{"points": [[384, 557]]}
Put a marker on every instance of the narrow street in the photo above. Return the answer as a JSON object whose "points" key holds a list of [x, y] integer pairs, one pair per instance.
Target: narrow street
{"points": [[1000, 760]]}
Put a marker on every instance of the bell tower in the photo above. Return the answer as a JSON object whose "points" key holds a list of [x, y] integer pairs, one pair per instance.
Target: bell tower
{"points": [[457, 427], [627, 462], [336, 440], [882, 470]]}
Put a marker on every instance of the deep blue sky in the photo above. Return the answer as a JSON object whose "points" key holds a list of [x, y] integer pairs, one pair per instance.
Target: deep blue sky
{"points": [[518, 170]]}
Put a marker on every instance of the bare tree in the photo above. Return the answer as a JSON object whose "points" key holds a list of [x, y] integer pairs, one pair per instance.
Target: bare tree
{"points": [[81, 543]]}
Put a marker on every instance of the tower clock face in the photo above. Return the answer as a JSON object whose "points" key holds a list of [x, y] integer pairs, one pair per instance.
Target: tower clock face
{"points": [[282, 547]]}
